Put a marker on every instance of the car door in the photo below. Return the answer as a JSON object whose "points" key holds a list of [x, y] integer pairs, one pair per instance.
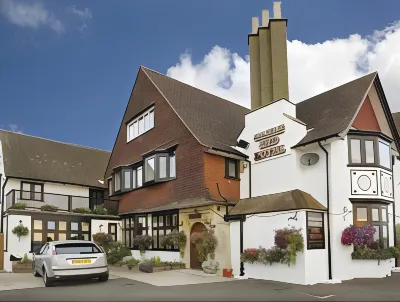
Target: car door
{"points": [[39, 258]]}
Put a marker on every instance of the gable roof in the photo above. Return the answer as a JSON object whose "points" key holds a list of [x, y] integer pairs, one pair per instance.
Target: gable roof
{"points": [[396, 119], [331, 112], [215, 122], [284, 201], [38, 158]]}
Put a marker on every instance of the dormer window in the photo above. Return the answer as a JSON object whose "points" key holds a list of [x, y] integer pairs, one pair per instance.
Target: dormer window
{"points": [[369, 151], [141, 124]]}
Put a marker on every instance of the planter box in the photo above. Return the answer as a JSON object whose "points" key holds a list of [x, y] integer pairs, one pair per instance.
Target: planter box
{"points": [[22, 267], [369, 268], [161, 268]]}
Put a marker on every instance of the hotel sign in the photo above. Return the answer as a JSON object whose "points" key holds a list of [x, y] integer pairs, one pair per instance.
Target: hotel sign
{"points": [[267, 139]]}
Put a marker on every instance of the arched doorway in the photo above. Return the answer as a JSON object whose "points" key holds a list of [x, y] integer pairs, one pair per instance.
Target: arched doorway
{"points": [[198, 227]]}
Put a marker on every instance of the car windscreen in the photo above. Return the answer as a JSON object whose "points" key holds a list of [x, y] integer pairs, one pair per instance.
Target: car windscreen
{"points": [[76, 248]]}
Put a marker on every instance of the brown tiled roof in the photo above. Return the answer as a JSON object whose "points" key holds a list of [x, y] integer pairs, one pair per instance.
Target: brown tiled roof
{"points": [[215, 122], [37, 158], [396, 118], [331, 112], [285, 201]]}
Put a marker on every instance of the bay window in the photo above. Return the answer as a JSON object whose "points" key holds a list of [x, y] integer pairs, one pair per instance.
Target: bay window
{"points": [[375, 215], [117, 181], [160, 167], [369, 151]]}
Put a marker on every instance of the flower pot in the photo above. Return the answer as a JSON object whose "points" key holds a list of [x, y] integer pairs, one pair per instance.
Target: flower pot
{"points": [[22, 267], [227, 272]]}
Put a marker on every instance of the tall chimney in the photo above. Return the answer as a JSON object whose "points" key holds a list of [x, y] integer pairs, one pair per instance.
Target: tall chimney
{"points": [[268, 58]]}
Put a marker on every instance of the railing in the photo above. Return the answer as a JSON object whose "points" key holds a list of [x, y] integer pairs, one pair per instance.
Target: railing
{"points": [[66, 203]]}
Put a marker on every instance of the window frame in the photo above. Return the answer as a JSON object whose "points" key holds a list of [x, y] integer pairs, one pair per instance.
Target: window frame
{"points": [[129, 232], [141, 116], [119, 172], [32, 191], [115, 238], [236, 162], [309, 247], [377, 156], [164, 228], [369, 206]]}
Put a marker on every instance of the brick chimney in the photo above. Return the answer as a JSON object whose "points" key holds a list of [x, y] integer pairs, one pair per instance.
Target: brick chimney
{"points": [[268, 59]]}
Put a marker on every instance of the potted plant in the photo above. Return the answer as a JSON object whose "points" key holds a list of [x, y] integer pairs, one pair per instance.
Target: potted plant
{"points": [[22, 266], [20, 231], [100, 210], [18, 206], [49, 208], [142, 242], [82, 211], [206, 243], [102, 238]]}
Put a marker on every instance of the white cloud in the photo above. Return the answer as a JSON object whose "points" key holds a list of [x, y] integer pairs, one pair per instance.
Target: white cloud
{"points": [[30, 14], [15, 128], [85, 13], [313, 68]]}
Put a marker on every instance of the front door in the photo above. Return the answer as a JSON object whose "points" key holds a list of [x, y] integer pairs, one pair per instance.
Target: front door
{"points": [[198, 227], [96, 197]]}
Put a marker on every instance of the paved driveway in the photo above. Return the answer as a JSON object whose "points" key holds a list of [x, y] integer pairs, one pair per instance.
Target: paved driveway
{"points": [[122, 289]]}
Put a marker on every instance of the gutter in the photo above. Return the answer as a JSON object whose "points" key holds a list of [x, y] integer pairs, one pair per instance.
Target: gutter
{"points": [[2, 202], [328, 212]]}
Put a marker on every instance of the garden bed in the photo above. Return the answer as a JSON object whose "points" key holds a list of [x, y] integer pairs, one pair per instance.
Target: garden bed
{"points": [[22, 267]]}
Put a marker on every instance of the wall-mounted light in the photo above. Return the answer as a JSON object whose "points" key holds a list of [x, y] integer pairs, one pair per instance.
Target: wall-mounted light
{"points": [[100, 226]]}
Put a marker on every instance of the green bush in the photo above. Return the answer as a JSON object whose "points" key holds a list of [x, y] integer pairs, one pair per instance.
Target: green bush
{"points": [[116, 251], [82, 211], [49, 208], [131, 263], [102, 238], [25, 258], [361, 252], [100, 210], [18, 206], [143, 242]]}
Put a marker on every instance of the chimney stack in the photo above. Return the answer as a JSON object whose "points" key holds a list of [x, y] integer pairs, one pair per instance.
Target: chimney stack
{"points": [[268, 58]]}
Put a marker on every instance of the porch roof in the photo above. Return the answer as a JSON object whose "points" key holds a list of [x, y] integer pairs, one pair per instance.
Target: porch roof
{"points": [[284, 201]]}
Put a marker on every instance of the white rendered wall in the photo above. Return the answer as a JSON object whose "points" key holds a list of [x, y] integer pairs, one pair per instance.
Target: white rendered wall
{"points": [[95, 227], [396, 177], [164, 255], [14, 245], [259, 231]]}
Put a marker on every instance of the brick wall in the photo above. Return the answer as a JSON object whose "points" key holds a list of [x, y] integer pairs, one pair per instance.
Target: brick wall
{"points": [[214, 172], [168, 129]]}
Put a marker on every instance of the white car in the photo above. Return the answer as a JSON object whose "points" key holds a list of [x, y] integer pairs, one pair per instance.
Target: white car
{"points": [[58, 260]]}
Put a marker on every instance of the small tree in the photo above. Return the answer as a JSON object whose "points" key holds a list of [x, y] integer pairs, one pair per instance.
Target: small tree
{"points": [[20, 231]]}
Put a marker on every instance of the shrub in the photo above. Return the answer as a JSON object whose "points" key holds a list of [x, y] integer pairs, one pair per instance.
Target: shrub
{"points": [[250, 255], [206, 243], [362, 252], [100, 210], [131, 263], [49, 208], [82, 211], [116, 251], [20, 231], [291, 239], [361, 236], [142, 242], [25, 258], [102, 239], [18, 206]]}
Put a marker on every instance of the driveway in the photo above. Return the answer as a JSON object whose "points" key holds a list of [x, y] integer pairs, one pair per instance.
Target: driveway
{"points": [[123, 289]]}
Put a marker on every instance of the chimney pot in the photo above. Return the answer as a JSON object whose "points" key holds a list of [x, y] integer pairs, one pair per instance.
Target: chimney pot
{"points": [[265, 18], [277, 10], [254, 23]]}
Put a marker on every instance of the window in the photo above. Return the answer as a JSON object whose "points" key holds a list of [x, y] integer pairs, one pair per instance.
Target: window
{"points": [[127, 179], [140, 124], [172, 168], [117, 181], [133, 226], [112, 230], [139, 177], [163, 225], [231, 168], [110, 187], [315, 231], [368, 151], [31, 191], [384, 154], [149, 169], [375, 215], [163, 167]]}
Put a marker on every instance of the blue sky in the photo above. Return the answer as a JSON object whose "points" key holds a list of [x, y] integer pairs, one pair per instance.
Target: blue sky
{"points": [[68, 76]]}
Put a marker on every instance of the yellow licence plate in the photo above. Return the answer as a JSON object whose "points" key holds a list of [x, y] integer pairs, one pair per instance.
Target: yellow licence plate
{"points": [[87, 261]]}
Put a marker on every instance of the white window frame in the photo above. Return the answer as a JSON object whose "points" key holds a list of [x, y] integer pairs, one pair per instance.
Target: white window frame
{"points": [[131, 134]]}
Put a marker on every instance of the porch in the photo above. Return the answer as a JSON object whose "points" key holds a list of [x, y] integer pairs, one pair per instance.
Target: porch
{"points": [[64, 203]]}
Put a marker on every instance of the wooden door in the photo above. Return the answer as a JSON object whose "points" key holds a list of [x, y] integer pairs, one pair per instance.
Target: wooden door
{"points": [[1, 251], [198, 227]]}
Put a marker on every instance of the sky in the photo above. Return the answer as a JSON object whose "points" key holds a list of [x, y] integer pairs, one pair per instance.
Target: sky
{"points": [[67, 68]]}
